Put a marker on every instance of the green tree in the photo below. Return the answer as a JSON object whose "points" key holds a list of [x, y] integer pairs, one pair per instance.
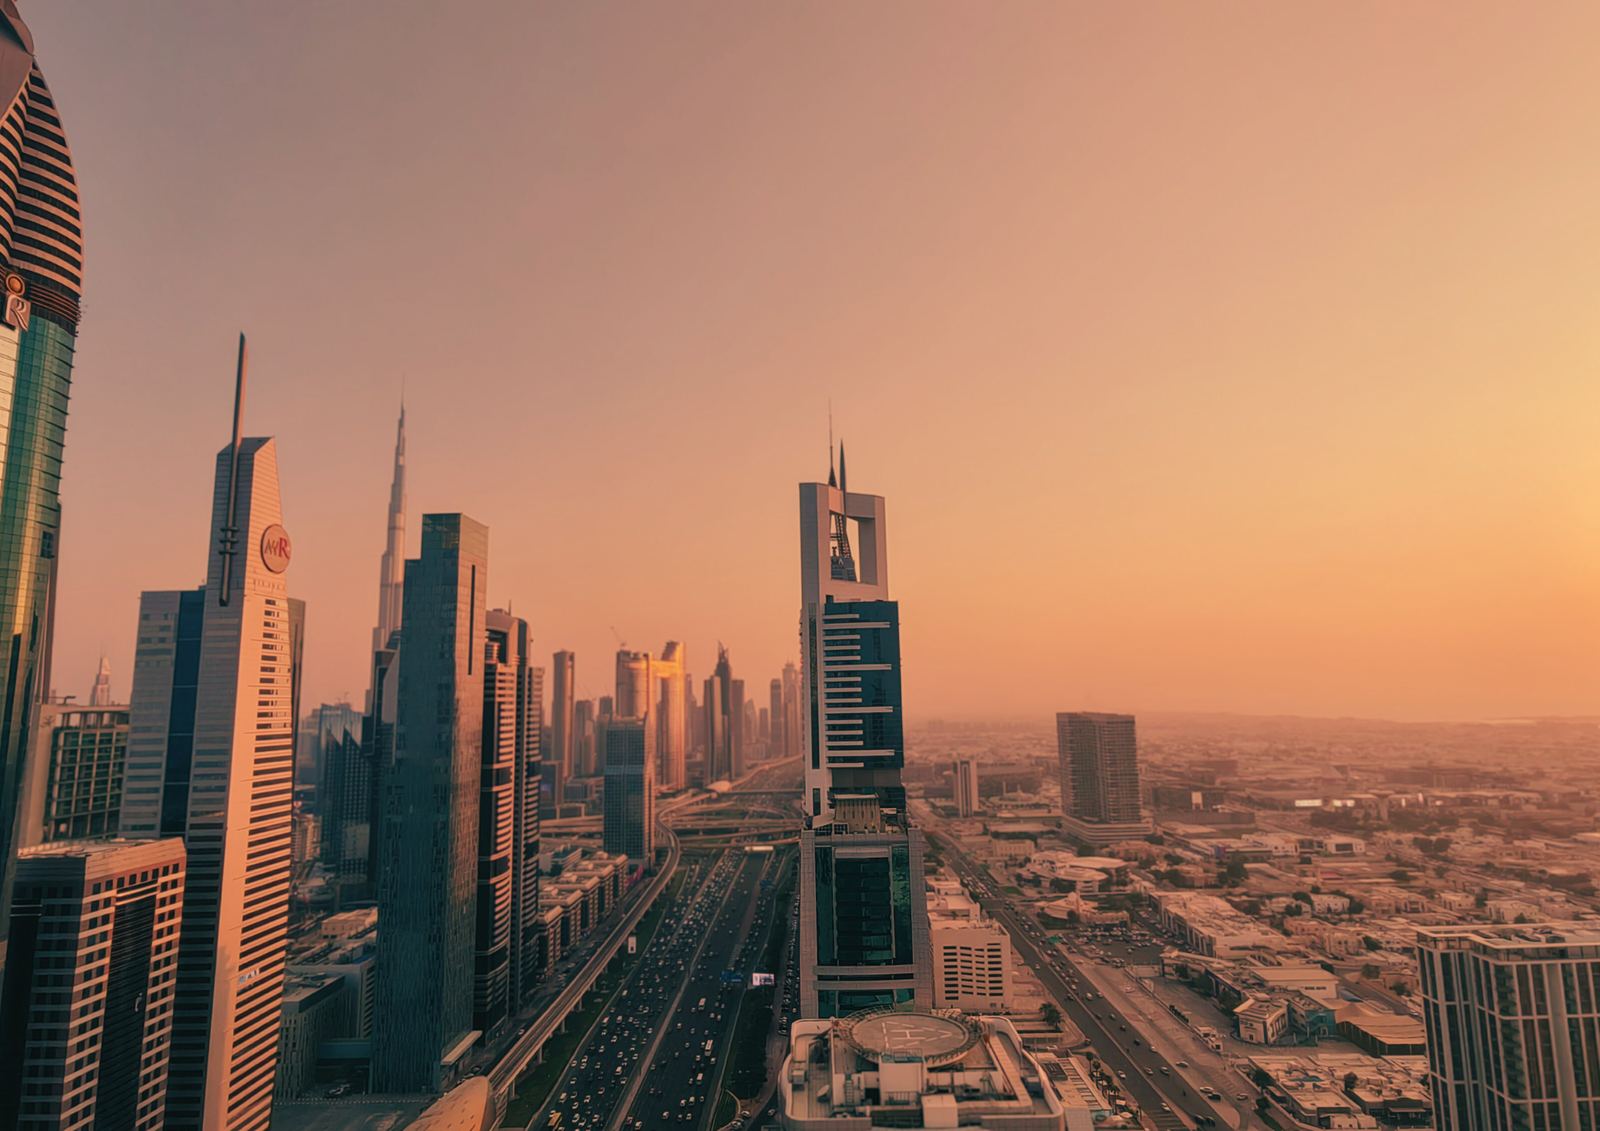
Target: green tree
{"points": [[1051, 1016], [1350, 1081], [1303, 897], [1400, 876], [1234, 872], [1261, 1079], [1370, 972], [1371, 943]]}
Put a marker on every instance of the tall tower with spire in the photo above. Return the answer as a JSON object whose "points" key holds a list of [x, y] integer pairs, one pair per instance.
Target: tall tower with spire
{"points": [[864, 933], [391, 575], [101, 695]]}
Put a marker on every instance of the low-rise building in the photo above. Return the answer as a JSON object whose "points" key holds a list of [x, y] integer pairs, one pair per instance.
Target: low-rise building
{"points": [[940, 1069], [1212, 926], [1382, 1034], [1262, 1021], [972, 960], [311, 1013]]}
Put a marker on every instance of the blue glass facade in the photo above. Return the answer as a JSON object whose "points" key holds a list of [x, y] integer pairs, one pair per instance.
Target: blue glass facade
{"points": [[862, 732]]}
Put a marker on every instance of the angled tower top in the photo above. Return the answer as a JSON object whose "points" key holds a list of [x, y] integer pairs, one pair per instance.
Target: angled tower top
{"points": [[835, 560]]}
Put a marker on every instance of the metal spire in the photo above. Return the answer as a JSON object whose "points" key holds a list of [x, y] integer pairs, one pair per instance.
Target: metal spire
{"points": [[832, 482], [230, 532]]}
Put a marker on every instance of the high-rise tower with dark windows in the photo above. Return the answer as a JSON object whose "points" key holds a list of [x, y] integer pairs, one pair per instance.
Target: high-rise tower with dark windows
{"points": [[628, 828], [508, 954], [1099, 759], [863, 915], [720, 721], [428, 877], [41, 265]]}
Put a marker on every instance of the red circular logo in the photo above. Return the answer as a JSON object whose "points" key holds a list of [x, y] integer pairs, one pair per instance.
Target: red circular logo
{"points": [[275, 548]]}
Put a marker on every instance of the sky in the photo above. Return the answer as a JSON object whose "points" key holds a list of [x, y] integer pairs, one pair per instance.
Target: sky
{"points": [[1235, 356]]}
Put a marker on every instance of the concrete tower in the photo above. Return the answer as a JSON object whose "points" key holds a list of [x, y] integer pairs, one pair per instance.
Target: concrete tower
{"points": [[672, 718], [212, 712], [559, 767]]}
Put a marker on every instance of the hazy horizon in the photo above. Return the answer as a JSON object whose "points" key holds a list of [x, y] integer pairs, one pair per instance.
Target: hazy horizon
{"points": [[1236, 361]]}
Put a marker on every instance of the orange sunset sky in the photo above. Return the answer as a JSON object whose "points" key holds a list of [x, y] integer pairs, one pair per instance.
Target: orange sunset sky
{"points": [[1224, 356]]}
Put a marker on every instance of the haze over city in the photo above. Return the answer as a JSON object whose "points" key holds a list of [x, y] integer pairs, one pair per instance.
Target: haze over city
{"points": [[1236, 357], [799, 567]]}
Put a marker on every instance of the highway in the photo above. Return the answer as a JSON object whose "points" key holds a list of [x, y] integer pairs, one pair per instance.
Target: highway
{"points": [[657, 1017], [570, 982], [679, 1085], [1138, 1067]]}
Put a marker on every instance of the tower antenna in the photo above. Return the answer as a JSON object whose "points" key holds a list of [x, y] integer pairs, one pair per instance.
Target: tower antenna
{"points": [[230, 532], [832, 482]]}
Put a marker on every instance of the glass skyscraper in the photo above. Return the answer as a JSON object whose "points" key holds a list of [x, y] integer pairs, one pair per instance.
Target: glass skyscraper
{"points": [[428, 878], [630, 796], [41, 244], [864, 937]]}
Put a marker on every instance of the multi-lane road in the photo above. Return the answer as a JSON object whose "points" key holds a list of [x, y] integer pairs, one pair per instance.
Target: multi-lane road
{"points": [[679, 1087], [1141, 1071], [654, 1057]]}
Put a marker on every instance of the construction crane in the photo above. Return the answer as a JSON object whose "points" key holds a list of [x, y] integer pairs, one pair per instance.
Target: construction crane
{"points": [[622, 645]]}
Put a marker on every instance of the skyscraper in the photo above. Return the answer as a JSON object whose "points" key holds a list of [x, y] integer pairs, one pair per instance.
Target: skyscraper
{"points": [[211, 759], [863, 912], [774, 735], [377, 746], [76, 766], [94, 931], [583, 738], [391, 571], [791, 711], [345, 795], [101, 695], [41, 243], [360, 785], [672, 718], [509, 642], [964, 778], [635, 684], [428, 881], [497, 797], [1099, 759], [508, 948], [738, 726], [1513, 1024], [720, 724], [558, 767], [630, 798]]}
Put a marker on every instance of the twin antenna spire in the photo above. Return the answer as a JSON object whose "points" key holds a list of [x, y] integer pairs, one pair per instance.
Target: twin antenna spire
{"points": [[230, 531]]}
